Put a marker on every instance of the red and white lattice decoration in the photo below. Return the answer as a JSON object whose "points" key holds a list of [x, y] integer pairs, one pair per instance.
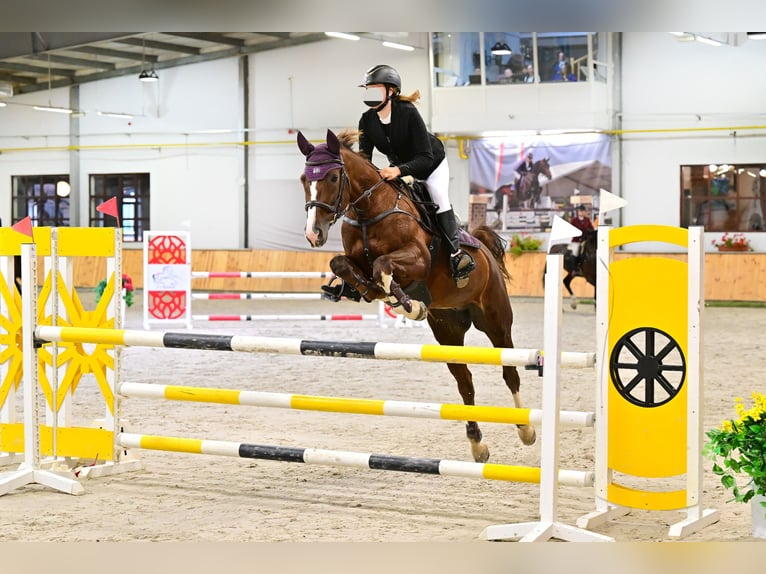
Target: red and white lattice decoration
{"points": [[167, 278]]}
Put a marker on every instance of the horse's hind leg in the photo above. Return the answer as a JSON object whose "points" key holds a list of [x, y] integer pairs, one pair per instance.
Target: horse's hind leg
{"points": [[449, 328]]}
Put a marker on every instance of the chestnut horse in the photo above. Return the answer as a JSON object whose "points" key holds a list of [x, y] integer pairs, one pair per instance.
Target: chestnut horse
{"points": [[387, 244]]}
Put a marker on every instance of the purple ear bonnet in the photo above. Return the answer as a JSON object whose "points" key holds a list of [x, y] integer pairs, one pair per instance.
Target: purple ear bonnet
{"points": [[320, 161], [322, 158]]}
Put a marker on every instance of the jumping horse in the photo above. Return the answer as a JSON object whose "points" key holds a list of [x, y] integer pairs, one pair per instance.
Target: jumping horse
{"points": [[529, 184], [388, 243]]}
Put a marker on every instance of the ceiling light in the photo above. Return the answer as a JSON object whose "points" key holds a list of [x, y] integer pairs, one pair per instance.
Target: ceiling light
{"points": [[398, 46], [2, 104], [148, 76], [757, 35], [115, 115], [52, 109], [708, 41], [501, 49], [63, 188], [762, 173], [342, 35]]}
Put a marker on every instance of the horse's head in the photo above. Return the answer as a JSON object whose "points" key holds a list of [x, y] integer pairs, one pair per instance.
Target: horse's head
{"points": [[323, 184], [543, 166]]}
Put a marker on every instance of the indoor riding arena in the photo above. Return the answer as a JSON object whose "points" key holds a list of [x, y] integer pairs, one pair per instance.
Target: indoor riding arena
{"points": [[174, 369]]}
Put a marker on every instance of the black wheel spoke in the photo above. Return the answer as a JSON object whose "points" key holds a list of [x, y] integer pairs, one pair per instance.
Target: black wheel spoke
{"points": [[648, 368]]}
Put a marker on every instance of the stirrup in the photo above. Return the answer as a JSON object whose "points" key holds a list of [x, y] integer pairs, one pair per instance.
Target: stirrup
{"points": [[461, 265]]}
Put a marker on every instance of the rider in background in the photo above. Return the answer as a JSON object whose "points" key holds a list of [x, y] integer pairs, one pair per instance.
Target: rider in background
{"points": [[394, 127], [582, 222], [525, 166]]}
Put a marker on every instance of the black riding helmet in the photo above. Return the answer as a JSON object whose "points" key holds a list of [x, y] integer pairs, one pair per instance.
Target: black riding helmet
{"points": [[382, 74]]}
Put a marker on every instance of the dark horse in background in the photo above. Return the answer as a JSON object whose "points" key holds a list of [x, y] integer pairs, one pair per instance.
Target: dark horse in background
{"points": [[584, 265], [387, 242], [527, 190]]}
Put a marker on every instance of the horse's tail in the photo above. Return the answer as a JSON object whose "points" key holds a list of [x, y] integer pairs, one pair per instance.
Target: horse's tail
{"points": [[496, 245]]}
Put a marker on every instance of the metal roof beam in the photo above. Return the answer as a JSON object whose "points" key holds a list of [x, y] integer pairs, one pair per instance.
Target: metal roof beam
{"points": [[154, 44], [36, 69], [208, 37], [73, 61], [120, 54]]}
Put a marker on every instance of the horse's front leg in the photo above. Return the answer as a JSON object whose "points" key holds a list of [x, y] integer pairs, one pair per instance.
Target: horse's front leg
{"points": [[404, 264], [347, 270]]}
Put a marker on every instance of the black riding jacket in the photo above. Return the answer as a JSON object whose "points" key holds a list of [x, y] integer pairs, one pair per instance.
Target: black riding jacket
{"points": [[405, 141]]}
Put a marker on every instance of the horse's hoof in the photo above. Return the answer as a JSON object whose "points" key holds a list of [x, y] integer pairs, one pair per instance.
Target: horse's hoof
{"points": [[527, 434], [573, 303], [480, 452]]}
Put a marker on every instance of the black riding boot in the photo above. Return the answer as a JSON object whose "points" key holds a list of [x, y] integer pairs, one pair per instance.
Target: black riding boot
{"points": [[461, 263]]}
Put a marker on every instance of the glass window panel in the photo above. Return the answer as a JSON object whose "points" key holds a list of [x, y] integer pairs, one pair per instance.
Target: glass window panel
{"points": [[35, 196], [502, 67], [457, 59], [562, 56], [724, 197]]}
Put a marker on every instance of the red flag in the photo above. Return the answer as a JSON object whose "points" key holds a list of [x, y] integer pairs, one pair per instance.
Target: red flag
{"points": [[109, 207], [24, 226]]}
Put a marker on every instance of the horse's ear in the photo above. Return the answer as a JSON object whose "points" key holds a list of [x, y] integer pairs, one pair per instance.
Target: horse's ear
{"points": [[333, 145], [304, 145]]}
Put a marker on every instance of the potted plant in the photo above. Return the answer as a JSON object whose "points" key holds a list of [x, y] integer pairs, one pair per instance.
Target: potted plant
{"points": [[127, 290], [524, 242], [732, 242], [738, 447]]}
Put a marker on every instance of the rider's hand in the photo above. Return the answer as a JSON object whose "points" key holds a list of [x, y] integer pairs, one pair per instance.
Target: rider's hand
{"points": [[390, 172]]}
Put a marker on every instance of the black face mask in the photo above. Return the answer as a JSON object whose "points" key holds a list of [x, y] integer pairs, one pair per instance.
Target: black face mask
{"points": [[375, 98]]}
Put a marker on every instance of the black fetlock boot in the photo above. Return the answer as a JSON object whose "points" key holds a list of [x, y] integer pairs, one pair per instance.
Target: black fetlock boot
{"points": [[461, 263]]}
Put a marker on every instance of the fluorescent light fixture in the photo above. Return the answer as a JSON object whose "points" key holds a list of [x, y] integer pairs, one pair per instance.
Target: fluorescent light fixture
{"points": [[115, 115], [2, 104], [679, 34], [708, 41], [52, 109], [342, 35], [398, 46], [757, 35], [148, 76], [501, 49]]}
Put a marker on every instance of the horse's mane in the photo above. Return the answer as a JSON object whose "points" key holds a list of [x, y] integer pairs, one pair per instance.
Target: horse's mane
{"points": [[348, 138]]}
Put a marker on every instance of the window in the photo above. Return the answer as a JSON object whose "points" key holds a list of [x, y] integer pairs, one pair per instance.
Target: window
{"points": [[44, 198], [724, 197], [563, 56], [456, 57], [507, 56], [132, 193], [485, 58]]}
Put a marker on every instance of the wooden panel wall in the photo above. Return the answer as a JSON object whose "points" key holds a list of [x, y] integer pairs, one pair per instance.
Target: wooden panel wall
{"points": [[728, 276]]}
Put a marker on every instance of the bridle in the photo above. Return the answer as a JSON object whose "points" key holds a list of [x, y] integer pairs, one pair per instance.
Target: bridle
{"points": [[335, 209]]}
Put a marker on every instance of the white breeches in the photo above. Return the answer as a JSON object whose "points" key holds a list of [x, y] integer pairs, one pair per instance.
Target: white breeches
{"points": [[438, 186], [575, 248]]}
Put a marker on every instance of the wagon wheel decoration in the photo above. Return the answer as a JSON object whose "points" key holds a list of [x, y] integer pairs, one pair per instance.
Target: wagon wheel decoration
{"points": [[648, 367]]}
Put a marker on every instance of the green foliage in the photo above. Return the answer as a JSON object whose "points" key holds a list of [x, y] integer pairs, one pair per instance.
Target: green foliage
{"points": [[524, 242], [738, 447], [127, 284]]}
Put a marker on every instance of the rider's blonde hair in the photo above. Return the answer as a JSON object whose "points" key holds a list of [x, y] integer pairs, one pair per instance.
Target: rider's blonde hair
{"points": [[413, 97]]}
